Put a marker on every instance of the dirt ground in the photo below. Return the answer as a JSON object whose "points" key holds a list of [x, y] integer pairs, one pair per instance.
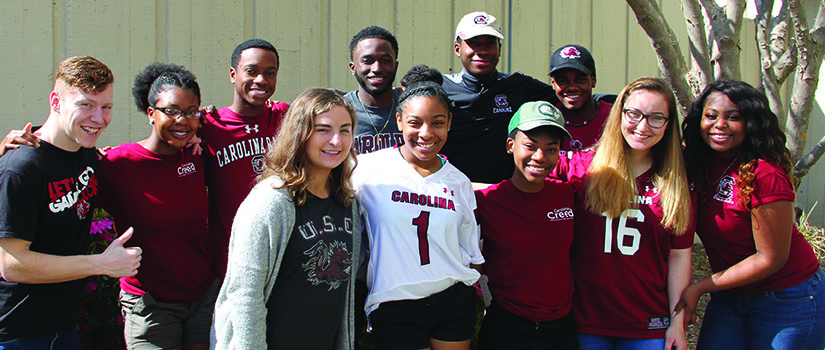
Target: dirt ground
{"points": [[701, 269]]}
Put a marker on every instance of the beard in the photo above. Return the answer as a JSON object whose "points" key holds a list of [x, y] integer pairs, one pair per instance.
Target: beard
{"points": [[389, 79]]}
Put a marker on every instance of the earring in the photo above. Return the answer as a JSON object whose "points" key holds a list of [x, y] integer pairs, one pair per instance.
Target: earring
{"points": [[151, 122]]}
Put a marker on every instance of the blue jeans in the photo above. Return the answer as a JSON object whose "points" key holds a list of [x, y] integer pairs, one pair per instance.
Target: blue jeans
{"points": [[792, 318], [63, 340], [600, 342]]}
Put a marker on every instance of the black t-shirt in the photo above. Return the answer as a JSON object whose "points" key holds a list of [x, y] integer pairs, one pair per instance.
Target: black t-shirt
{"points": [[47, 197], [481, 112], [307, 302]]}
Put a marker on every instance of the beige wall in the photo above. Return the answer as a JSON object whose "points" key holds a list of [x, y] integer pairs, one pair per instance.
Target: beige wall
{"points": [[312, 37]]}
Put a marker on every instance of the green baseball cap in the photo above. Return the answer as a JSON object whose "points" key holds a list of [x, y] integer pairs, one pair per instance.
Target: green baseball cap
{"points": [[534, 114]]}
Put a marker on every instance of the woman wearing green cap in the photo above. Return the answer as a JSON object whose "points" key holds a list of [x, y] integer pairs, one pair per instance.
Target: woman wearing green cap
{"points": [[527, 227]]}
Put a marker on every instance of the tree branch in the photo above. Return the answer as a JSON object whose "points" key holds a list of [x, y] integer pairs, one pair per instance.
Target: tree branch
{"points": [[664, 43], [786, 64], [810, 52], [783, 50], [767, 78], [803, 166], [701, 72], [725, 27], [779, 35]]}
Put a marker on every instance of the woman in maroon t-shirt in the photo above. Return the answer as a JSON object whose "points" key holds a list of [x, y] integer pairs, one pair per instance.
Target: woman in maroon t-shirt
{"points": [[767, 289], [157, 187]]}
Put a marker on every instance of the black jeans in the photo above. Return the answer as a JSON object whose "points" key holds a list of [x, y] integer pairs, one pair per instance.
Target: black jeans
{"points": [[501, 329]]}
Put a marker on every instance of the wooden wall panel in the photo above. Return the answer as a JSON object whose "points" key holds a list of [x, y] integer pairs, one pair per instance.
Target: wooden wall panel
{"points": [[27, 56], [529, 39], [142, 47], [571, 23], [609, 45], [641, 60], [425, 31]]}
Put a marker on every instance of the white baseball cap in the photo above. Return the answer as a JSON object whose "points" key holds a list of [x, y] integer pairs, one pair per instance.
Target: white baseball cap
{"points": [[478, 23]]}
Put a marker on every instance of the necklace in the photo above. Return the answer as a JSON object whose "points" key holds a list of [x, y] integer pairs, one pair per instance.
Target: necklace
{"points": [[584, 122], [724, 172], [369, 115]]}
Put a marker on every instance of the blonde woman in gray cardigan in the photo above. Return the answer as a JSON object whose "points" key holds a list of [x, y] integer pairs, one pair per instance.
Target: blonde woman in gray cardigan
{"points": [[296, 238]]}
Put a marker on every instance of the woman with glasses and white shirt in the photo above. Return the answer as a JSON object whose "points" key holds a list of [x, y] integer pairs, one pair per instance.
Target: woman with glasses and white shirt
{"points": [[631, 250]]}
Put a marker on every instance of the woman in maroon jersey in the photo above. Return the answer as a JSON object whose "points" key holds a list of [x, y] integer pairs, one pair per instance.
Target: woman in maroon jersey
{"points": [[633, 236], [767, 290]]}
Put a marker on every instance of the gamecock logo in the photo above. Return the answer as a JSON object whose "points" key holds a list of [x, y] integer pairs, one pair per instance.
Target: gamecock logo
{"points": [[330, 264]]}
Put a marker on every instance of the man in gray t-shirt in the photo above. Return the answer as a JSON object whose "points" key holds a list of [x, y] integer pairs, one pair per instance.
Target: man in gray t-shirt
{"points": [[373, 54]]}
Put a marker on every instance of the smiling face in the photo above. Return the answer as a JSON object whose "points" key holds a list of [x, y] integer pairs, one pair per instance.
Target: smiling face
{"points": [[81, 116], [535, 153], [479, 55], [640, 136], [723, 128], [424, 121], [573, 87], [374, 65], [255, 79], [170, 134], [330, 141]]}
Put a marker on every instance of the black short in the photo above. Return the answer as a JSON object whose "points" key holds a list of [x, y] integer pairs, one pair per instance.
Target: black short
{"points": [[449, 315], [501, 329]]}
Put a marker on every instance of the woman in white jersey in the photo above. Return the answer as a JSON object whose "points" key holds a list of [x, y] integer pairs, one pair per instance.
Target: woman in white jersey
{"points": [[419, 212]]}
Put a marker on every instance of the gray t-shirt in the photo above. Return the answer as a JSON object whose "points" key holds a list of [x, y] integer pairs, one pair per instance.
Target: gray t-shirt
{"points": [[377, 128]]}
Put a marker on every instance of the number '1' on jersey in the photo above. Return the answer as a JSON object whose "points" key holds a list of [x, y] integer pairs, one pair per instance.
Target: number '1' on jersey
{"points": [[422, 230]]}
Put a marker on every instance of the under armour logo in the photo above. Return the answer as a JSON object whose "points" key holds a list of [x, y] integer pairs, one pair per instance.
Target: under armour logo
{"points": [[449, 191], [250, 128]]}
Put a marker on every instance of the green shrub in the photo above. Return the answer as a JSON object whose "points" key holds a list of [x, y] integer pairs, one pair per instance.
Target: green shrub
{"points": [[101, 324]]}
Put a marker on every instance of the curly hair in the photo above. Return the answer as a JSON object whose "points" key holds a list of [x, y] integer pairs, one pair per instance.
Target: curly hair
{"points": [[763, 137], [159, 77], [423, 88], [422, 72], [287, 158]]}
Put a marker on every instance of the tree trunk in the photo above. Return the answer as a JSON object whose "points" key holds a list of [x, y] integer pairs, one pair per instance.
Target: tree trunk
{"points": [[664, 43]]}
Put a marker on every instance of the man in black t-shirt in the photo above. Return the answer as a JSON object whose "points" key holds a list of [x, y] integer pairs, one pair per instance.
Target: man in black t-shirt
{"points": [[47, 196], [484, 100]]}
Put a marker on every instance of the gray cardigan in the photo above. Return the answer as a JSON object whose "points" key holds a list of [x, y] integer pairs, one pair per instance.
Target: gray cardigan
{"points": [[259, 238]]}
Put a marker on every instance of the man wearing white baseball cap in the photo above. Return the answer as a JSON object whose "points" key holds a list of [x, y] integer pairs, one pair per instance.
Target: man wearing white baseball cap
{"points": [[484, 100]]}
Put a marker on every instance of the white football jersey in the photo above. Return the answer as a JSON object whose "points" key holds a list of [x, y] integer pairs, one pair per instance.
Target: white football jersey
{"points": [[422, 230]]}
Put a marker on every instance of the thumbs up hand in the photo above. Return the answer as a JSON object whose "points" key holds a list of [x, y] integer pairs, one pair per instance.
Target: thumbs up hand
{"points": [[119, 261]]}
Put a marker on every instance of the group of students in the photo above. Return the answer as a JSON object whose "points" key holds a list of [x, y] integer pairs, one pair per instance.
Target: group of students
{"points": [[583, 249]]}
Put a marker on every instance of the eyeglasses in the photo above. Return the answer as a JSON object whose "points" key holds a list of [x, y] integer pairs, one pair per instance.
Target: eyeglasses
{"points": [[175, 113], [655, 120]]}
